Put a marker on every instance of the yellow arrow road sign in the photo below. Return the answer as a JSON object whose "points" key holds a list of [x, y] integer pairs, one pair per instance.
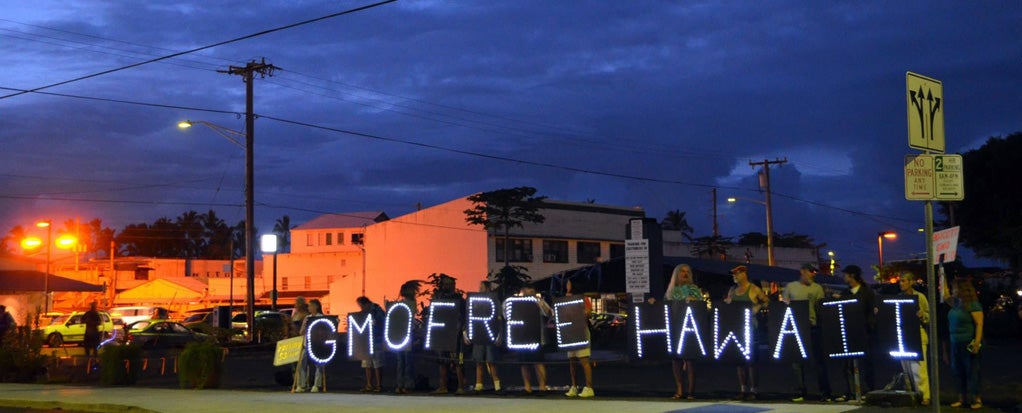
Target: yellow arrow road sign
{"points": [[925, 98]]}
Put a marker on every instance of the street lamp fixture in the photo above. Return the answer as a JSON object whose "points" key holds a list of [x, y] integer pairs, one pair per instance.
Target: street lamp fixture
{"points": [[891, 235], [769, 224], [268, 243], [250, 238]]}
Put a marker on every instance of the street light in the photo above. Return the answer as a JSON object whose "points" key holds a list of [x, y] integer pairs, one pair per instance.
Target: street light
{"points": [[891, 235], [268, 242], [249, 209], [66, 241], [769, 224]]}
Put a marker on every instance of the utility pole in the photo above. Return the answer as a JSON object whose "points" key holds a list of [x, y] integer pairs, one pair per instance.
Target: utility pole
{"points": [[715, 227], [765, 184], [246, 73]]}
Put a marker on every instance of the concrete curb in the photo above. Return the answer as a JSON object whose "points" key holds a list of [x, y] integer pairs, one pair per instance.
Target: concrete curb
{"points": [[80, 407]]}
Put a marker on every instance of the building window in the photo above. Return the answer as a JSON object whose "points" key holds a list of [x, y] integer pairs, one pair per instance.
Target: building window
{"points": [[587, 252], [521, 250], [617, 251], [142, 274], [340, 238], [308, 240], [329, 238], [283, 283], [555, 251], [356, 239], [308, 283]]}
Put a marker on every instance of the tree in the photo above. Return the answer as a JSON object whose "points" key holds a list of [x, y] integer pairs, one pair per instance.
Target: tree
{"points": [[786, 240], [711, 247], [500, 211], [12, 240], [989, 216], [675, 220], [283, 229]]}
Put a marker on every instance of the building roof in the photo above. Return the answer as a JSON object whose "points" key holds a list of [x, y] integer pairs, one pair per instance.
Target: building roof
{"points": [[164, 290], [28, 280], [345, 220]]}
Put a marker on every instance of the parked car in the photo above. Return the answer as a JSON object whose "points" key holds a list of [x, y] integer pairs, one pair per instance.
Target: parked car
{"points": [[161, 334], [70, 328], [200, 317], [128, 315]]}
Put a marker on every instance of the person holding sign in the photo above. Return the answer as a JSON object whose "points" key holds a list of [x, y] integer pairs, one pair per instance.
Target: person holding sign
{"points": [[450, 360], [485, 355], [315, 310], [745, 291], [966, 326], [581, 355], [536, 358], [375, 363], [806, 289], [405, 364], [682, 288], [858, 290], [917, 369]]}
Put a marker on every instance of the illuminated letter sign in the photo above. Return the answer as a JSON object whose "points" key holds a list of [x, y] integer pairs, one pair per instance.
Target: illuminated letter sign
{"points": [[657, 328], [692, 317], [397, 328], [321, 335], [789, 322], [898, 316], [481, 317], [360, 336], [523, 323], [843, 328], [570, 323], [726, 319], [443, 317]]}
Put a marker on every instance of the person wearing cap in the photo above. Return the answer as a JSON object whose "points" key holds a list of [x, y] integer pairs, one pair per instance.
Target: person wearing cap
{"points": [[745, 291], [859, 290], [806, 289], [917, 369]]}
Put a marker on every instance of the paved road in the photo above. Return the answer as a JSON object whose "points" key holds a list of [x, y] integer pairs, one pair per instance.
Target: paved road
{"points": [[133, 399]]}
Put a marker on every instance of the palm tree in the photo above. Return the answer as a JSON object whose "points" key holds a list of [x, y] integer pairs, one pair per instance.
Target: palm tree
{"points": [[675, 220], [283, 229]]}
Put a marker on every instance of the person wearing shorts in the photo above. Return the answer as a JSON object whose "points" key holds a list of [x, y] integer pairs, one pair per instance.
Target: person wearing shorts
{"points": [[580, 356]]}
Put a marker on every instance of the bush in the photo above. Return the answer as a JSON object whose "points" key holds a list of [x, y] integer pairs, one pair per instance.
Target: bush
{"points": [[20, 358], [270, 330], [113, 371], [222, 336], [200, 365]]}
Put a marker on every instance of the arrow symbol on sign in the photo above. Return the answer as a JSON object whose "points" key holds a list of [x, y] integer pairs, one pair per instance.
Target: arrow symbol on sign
{"points": [[933, 109], [918, 103]]}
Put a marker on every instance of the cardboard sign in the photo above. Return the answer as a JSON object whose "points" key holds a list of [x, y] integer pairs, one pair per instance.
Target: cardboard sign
{"points": [[732, 331], [288, 351], [524, 324], [361, 329], [651, 326], [898, 327], [571, 323], [482, 318], [321, 338], [789, 328], [397, 327], [443, 325], [689, 327], [842, 328]]}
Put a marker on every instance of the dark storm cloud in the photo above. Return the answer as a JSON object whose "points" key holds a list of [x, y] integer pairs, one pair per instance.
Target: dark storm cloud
{"points": [[686, 92]]}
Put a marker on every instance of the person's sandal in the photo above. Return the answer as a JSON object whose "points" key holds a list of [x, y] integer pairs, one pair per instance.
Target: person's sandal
{"points": [[956, 404], [976, 405]]}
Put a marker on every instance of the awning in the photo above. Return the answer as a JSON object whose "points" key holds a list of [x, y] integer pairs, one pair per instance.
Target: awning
{"points": [[31, 281]]}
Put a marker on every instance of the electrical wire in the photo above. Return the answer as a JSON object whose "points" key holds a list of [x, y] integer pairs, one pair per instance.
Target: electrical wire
{"points": [[173, 55]]}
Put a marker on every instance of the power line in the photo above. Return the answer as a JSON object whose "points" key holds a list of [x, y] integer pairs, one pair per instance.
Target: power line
{"points": [[172, 55], [466, 152]]}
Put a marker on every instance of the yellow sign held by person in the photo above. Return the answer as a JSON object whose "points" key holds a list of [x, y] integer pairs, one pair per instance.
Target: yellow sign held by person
{"points": [[288, 351]]}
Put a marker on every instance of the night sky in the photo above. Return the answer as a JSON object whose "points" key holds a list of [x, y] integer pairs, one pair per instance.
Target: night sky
{"points": [[646, 104]]}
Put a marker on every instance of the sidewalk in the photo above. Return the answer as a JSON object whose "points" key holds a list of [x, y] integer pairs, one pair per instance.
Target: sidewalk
{"points": [[142, 400]]}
